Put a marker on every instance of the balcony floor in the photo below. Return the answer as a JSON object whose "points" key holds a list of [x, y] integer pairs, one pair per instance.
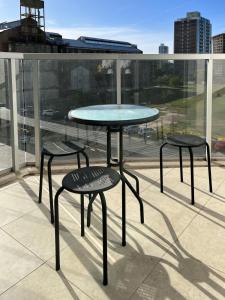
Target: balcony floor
{"points": [[179, 253]]}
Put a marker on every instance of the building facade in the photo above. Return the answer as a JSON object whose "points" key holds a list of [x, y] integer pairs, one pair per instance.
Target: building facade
{"points": [[29, 35], [26, 36], [163, 49], [192, 34], [219, 43]]}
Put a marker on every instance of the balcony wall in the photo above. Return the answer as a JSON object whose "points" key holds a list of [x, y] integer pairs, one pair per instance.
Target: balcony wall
{"points": [[189, 91]]}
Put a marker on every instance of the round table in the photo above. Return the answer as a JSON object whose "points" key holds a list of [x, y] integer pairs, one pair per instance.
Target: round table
{"points": [[114, 117]]}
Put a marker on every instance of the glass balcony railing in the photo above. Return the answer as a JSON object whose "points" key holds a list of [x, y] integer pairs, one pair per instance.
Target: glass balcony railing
{"points": [[5, 118], [38, 90]]}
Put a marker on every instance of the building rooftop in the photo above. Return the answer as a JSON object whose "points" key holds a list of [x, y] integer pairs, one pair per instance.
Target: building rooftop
{"points": [[192, 16], [83, 42], [9, 25], [94, 43], [219, 34]]}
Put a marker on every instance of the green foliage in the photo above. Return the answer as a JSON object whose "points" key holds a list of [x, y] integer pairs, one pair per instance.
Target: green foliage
{"points": [[175, 81]]}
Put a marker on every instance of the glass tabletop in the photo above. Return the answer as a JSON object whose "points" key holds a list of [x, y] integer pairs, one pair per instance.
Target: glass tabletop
{"points": [[113, 115]]}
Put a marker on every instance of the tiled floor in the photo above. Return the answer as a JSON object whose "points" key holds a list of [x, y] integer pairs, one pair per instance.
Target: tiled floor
{"points": [[179, 253]]}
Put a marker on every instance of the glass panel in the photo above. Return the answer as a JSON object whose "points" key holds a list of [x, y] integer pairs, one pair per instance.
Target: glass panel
{"points": [[177, 89], [5, 118], [218, 109], [25, 111], [28, 112], [67, 85]]}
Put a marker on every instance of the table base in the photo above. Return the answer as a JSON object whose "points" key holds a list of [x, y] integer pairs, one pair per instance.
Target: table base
{"points": [[125, 182]]}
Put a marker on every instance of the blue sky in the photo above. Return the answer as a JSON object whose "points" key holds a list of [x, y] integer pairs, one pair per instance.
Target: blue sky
{"points": [[146, 23]]}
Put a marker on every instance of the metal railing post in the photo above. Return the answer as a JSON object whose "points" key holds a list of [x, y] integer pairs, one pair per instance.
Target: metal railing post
{"points": [[118, 95], [118, 81], [36, 103], [13, 114], [209, 97]]}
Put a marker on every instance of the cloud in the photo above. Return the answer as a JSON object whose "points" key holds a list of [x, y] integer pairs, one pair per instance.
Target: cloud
{"points": [[147, 41]]}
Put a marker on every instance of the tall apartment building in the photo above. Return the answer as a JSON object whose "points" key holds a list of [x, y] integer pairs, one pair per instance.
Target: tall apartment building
{"points": [[192, 34], [219, 43], [163, 49]]}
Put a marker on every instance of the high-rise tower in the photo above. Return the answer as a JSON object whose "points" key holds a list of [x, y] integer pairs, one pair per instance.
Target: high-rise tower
{"points": [[192, 34], [163, 49]]}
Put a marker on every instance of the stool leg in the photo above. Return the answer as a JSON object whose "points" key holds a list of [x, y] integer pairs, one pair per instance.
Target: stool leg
{"points": [[209, 168], [50, 188], [90, 197], [161, 167], [123, 214], [41, 176], [181, 164], [78, 161], [82, 214], [86, 158], [192, 176], [82, 196], [89, 209], [87, 165], [108, 150], [57, 245], [104, 234]]}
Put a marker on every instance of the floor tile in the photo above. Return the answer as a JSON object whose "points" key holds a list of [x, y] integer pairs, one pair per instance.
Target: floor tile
{"points": [[15, 260], [44, 284], [34, 231], [180, 276]]}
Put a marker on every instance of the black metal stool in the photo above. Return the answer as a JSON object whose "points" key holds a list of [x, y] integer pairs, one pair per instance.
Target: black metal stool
{"points": [[92, 181], [186, 141], [58, 149]]}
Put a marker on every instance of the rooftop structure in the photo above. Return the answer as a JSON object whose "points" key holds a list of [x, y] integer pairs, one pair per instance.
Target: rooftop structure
{"points": [[90, 43], [13, 36], [34, 9], [9, 25]]}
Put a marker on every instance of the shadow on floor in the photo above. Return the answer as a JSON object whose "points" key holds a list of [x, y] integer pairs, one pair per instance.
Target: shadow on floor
{"points": [[126, 278]]}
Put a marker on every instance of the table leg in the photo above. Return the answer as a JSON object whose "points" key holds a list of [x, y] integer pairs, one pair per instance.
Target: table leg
{"points": [[108, 147], [135, 178], [123, 214], [125, 180]]}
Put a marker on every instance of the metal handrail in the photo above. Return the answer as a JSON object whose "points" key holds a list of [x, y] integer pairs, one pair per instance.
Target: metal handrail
{"points": [[110, 56]]}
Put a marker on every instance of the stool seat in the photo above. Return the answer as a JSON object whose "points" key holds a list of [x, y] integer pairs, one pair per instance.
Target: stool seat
{"points": [[62, 148], [58, 149], [90, 180], [186, 140]]}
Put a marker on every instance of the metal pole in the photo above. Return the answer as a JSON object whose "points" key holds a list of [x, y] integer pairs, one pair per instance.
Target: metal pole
{"points": [[209, 102], [118, 95], [118, 81], [36, 103], [13, 114]]}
